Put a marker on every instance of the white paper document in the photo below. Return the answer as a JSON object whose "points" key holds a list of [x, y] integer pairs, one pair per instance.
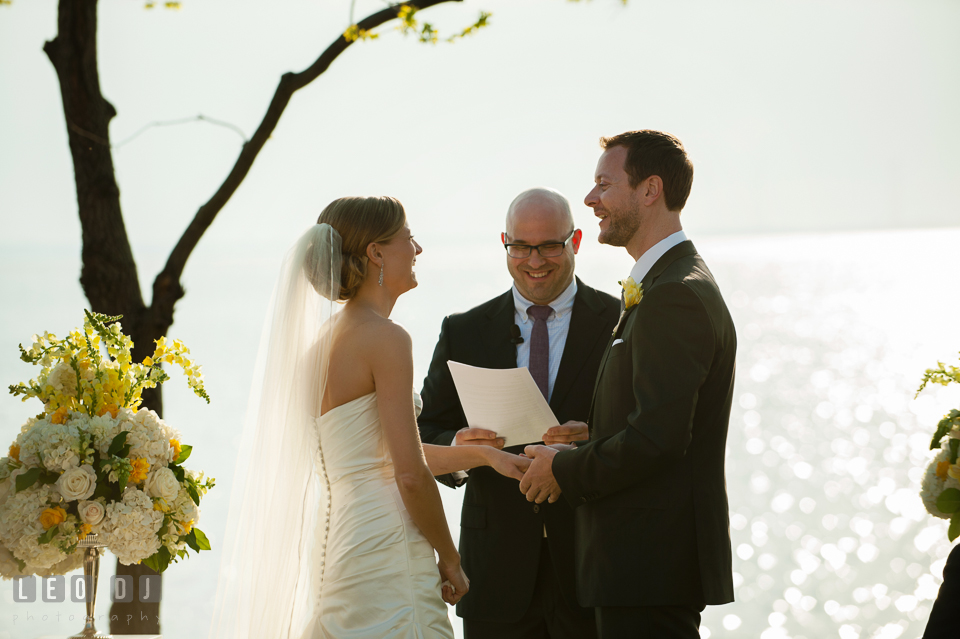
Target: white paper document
{"points": [[504, 400]]}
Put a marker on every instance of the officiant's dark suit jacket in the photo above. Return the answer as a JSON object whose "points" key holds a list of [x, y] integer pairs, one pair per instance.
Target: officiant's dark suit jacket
{"points": [[648, 489], [500, 531]]}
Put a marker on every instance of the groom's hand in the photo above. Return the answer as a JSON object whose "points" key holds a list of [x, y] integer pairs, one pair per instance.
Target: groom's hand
{"points": [[538, 483], [569, 432], [477, 437]]}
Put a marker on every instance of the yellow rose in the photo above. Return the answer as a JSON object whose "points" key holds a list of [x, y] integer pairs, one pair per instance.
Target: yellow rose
{"points": [[15, 451], [176, 448], [52, 517], [632, 292], [85, 530]]}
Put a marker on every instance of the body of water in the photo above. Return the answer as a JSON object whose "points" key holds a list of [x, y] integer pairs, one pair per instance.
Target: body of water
{"points": [[826, 446]]}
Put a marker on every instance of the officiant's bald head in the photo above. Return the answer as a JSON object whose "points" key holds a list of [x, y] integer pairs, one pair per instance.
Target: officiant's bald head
{"points": [[541, 217]]}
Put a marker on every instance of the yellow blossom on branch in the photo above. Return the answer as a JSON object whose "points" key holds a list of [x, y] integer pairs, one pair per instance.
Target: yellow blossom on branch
{"points": [[139, 472]]}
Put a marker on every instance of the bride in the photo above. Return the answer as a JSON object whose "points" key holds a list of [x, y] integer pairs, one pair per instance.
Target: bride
{"points": [[335, 519]]}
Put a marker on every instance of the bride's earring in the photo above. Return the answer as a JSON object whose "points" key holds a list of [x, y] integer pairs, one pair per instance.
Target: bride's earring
{"points": [[381, 273]]}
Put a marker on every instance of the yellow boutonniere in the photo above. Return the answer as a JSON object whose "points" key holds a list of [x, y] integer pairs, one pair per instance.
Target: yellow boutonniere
{"points": [[632, 292]]}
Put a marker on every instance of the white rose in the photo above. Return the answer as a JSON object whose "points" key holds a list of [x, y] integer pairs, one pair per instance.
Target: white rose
{"points": [[91, 512], [162, 483], [78, 483]]}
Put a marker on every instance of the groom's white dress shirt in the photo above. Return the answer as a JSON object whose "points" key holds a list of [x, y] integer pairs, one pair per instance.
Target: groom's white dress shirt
{"points": [[558, 327], [654, 253]]}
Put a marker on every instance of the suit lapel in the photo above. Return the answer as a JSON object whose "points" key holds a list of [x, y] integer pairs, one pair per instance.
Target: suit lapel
{"points": [[496, 334], [680, 250], [585, 324]]}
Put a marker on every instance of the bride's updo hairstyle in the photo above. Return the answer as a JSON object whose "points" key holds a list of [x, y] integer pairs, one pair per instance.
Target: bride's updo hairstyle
{"points": [[360, 221]]}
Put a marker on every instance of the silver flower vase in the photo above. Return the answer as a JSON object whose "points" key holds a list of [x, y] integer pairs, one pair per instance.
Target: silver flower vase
{"points": [[90, 546]]}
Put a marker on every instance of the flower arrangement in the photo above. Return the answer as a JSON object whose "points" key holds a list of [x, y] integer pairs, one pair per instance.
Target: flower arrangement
{"points": [[94, 461], [940, 488]]}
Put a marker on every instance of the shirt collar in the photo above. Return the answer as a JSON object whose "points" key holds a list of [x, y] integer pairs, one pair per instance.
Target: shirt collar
{"points": [[654, 253], [561, 306]]}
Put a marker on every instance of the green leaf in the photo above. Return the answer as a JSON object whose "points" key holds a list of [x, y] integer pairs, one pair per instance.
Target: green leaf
{"points": [[163, 559], [184, 454], [122, 481], [48, 478], [942, 429], [28, 479], [20, 564], [177, 472], [949, 500], [104, 489], [48, 536], [117, 443], [191, 540], [954, 530], [202, 540], [151, 562], [194, 495], [954, 449]]}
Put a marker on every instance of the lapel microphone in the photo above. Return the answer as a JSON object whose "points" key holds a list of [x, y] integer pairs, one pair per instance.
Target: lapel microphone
{"points": [[515, 335]]}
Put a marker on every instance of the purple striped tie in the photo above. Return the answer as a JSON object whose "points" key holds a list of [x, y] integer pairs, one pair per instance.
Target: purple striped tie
{"points": [[540, 348]]}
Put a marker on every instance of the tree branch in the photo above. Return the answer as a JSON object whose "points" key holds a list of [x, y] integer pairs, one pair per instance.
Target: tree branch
{"points": [[166, 288]]}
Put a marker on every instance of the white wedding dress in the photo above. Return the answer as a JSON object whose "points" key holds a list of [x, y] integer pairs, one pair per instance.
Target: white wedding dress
{"points": [[377, 573]]}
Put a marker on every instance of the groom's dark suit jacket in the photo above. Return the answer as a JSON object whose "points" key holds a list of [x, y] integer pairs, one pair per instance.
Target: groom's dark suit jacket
{"points": [[500, 531], [649, 492]]}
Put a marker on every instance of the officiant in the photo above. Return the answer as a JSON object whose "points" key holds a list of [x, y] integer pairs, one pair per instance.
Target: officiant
{"points": [[519, 555]]}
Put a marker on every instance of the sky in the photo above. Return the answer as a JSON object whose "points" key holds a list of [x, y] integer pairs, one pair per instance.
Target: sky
{"points": [[798, 115]]}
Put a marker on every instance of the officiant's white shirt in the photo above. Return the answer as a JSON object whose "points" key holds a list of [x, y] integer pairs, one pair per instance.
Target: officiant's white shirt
{"points": [[654, 253], [558, 327]]}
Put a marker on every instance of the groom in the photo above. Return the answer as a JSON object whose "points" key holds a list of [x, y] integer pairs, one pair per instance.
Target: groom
{"points": [[648, 489]]}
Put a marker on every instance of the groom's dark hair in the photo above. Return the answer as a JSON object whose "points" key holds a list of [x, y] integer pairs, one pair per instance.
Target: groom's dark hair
{"points": [[656, 153]]}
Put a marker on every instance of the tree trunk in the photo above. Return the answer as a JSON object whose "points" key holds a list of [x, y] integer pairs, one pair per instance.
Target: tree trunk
{"points": [[109, 274]]}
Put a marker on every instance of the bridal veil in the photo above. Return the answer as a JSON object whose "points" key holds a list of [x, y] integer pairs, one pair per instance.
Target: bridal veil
{"points": [[267, 586]]}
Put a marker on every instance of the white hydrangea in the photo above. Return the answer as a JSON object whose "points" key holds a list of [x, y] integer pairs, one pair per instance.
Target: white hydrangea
{"points": [[5, 467], [22, 510], [36, 555], [63, 379], [8, 564], [931, 486], [149, 440], [73, 561], [184, 509], [57, 445], [129, 528], [105, 427]]}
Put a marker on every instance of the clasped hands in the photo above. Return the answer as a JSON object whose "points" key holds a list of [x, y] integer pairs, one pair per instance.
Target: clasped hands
{"points": [[535, 465]]}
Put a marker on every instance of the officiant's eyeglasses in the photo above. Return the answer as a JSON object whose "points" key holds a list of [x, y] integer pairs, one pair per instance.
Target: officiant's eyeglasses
{"points": [[551, 249]]}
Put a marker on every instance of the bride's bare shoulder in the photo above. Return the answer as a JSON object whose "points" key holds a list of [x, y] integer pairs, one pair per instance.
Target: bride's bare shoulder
{"points": [[376, 335]]}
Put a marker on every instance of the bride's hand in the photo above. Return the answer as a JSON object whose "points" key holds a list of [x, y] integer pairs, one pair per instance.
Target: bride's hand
{"points": [[508, 464], [455, 583]]}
